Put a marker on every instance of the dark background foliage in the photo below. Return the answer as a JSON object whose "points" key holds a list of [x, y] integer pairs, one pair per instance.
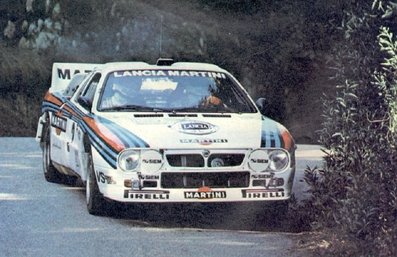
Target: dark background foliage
{"points": [[277, 49]]}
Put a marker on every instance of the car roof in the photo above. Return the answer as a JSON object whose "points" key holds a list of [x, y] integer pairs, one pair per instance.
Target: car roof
{"points": [[116, 66]]}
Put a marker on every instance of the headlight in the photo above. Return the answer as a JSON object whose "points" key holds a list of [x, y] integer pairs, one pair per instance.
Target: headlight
{"points": [[152, 161], [258, 160], [278, 160], [129, 160]]}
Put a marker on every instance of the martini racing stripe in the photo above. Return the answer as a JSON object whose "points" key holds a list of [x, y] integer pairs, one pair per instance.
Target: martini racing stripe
{"points": [[128, 138], [108, 138], [112, 140], [271, 134], [48, 106], [105, 151]]}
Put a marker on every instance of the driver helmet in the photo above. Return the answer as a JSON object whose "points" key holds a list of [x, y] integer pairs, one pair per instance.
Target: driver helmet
{"points": [[123, 90]]}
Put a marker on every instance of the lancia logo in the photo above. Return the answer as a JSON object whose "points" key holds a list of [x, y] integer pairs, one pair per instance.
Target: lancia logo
{"points": [[195, 127], [206, 153]]}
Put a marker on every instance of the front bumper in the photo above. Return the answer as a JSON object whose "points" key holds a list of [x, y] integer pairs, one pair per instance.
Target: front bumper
{"points": [[192, 185], [150, 189]]}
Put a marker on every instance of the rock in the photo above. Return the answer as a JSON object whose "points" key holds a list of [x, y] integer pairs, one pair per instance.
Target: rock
{"points": [[9, 31]]}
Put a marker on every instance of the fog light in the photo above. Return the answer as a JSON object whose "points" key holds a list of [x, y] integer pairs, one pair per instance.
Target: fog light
{"points": [[136, 184], [217, 162], [128, 183], [276, 182]]}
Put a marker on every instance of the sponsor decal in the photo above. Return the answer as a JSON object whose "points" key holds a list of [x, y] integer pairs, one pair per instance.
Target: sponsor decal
{"points": [[147, 195], [68, 73], [261, 176], [205, 193], [59, 122], [204, 141], [174, 73], [195, 127], [261, 194], [104, 179], [155, 177], [261, 161], [152, 161]]}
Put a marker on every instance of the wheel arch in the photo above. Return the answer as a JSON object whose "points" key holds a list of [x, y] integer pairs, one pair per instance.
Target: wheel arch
{"points": [[43, 125]]}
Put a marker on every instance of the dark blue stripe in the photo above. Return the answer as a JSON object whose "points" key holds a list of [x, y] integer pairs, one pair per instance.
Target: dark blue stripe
{"points": [[270, 134], [94, 138]]}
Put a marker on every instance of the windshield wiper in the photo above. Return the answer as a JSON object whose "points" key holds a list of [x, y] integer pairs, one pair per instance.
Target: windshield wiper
{"points": [[184, 109], [133, 107], [126, 107]]}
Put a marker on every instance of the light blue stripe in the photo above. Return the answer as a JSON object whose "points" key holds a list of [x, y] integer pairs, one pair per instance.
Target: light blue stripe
{"points": [[270, 132], [277, 137], [100, 143]]}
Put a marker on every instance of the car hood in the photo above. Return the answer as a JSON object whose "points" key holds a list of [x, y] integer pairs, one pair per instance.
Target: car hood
{"points": [[171, 131]]}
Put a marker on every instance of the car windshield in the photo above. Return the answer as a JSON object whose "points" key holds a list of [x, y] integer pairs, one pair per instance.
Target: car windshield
{"points": [[173, 91]]}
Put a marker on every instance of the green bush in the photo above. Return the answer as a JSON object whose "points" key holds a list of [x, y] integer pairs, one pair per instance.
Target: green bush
{"points": [[355, 193]]}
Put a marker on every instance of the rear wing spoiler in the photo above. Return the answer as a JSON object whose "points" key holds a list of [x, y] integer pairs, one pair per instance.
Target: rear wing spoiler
{"points": [[62, 73]]}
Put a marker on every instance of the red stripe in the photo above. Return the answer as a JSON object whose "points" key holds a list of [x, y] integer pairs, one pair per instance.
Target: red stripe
{"points": [[105, 134]]}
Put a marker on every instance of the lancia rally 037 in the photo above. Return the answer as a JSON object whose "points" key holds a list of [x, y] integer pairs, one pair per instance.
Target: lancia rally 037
{"points": [[178, 132]]}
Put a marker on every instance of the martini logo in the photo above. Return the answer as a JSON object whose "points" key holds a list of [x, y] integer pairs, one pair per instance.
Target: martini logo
{"points": [[195, 127], [205, 193], [59, 123], [203, 141]]}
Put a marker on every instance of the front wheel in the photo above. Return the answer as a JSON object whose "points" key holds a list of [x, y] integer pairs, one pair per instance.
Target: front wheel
{"points": [[94, 198]]}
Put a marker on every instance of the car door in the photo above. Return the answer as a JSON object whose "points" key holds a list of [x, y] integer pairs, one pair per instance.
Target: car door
{"points": [[58, 130], [76, 158]]}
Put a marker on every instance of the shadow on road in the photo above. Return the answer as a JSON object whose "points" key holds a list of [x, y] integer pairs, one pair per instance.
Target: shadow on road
{"points": [[225, 216]]}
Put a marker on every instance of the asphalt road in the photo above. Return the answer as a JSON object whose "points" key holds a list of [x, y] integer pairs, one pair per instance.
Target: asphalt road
{"points": [[44, 219]]}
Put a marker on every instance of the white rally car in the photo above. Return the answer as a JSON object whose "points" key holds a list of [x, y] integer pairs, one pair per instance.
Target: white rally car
{"points": [[170, 132]]}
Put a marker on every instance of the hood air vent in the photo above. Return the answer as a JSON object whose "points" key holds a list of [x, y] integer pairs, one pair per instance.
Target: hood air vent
{"points": [[181, 115], [217, 115], [148, 115]]}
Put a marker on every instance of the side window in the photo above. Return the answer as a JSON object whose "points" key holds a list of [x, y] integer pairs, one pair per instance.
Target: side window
{"points": [[74, 85], [89, 91], [87, 94]]}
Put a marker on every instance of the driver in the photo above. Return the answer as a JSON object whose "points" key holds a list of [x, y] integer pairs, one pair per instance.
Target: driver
{"points": [[119, 95], [213, 100], [195, 96]]}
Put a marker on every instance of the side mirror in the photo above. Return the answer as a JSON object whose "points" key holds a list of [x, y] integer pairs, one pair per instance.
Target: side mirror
{"points": [[85, 102], [262, 105]]}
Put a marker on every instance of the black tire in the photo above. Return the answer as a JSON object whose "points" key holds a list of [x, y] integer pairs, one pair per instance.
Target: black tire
{"points": [[94, 198], [50, 172]]}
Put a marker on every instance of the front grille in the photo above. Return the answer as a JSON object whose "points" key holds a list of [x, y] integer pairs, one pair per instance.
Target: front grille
{"points": [[209, 179], [227, 160], [197, 160], [185, 160]]}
